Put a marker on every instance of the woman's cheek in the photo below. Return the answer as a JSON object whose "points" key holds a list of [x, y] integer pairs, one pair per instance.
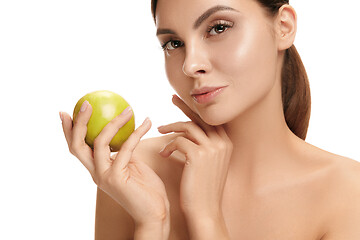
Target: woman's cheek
{"points": [[248, 61], [236, 54], [174, 71], [236, 59], [177, 79]]}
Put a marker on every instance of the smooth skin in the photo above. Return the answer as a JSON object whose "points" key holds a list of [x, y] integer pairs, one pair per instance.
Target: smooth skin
{"points": [[235, 170], [121, 176]]}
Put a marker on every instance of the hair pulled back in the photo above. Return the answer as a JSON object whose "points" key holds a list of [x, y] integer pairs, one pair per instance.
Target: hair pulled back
{"points": [[295, 88]]}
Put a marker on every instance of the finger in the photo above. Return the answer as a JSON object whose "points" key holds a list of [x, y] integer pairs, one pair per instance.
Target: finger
{"points": [[75, 135], [193, 116], [80, 127], [222, 133], [127, 149], [181, 144], [192, 131], [102, 141], [67, 126]]}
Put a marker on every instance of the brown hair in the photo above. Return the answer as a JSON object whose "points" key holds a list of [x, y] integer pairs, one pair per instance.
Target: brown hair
{"points": [[295, 88]]}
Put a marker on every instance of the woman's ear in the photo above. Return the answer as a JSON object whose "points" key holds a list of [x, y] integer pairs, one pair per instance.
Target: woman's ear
{"points": [[286, 23]]}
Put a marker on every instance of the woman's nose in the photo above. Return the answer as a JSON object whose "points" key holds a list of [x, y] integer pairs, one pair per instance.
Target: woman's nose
{"points": [[196, 62]]}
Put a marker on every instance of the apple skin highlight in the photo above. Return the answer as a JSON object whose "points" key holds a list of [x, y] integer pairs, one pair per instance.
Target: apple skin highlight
{"points": [[106, 106]]}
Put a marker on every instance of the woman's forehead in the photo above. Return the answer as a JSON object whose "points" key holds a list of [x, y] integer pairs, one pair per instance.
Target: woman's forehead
{"points": [[177, 11]]}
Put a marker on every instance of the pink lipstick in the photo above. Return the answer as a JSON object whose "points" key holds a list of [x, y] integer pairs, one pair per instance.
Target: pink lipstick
{"points": [[206, 94]]}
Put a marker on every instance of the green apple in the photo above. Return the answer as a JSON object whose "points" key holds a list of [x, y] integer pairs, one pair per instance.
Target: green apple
{"points": [[106, 106]]}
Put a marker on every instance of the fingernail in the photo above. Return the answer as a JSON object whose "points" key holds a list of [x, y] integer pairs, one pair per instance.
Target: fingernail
{"points": [[84, 106], [126, 110], [61, 116], [146, 121]]}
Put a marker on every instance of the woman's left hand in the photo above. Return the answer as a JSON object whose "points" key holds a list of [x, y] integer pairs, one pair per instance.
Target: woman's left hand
{"points": [[208, 150]]}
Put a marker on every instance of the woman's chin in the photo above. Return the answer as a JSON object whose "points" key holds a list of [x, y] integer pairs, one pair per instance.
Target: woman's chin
{"points": [[216, 114], [214, 120]]}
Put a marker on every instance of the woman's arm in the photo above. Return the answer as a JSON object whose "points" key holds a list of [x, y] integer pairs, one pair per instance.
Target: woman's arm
{"points": [[111, 220], [344, 208], [123, 177], [207, 150], [208, 228]]}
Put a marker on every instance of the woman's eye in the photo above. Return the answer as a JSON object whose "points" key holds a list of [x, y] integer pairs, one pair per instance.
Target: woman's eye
{"points": [[218, 28], [172, 44]]}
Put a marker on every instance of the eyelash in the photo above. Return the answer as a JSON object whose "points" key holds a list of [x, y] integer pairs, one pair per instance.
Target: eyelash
{"points": [[225, 24]]}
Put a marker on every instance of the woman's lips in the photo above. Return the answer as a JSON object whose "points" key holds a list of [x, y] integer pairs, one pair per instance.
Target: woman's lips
{"points": [[206, 95]]}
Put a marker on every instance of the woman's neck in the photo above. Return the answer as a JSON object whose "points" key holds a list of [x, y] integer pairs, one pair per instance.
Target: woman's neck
{"points": [[262, 140]]}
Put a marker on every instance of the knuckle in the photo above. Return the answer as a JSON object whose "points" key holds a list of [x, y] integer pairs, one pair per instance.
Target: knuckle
{"points": [[192, 125], [126, 148], [111, 124], [201, 153], [96, 180], [179, 140], [72, 151], [187, 131], [221, 145], [100, 180], [98, 142], [191, 155], [70, 146], [117, 122], [212, 151], [73, 148], [135, 136], [110, 180], [80, 121]]}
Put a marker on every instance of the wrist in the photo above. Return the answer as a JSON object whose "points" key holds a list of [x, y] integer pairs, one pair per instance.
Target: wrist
{"points": [[157, 230], [208, 228]]}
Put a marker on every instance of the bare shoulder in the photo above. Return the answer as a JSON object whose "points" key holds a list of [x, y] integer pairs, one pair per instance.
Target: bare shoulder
{"points": [[346, 172], [334, 190], [343, 204], [148, 152], [339, 171], [148, 149]]}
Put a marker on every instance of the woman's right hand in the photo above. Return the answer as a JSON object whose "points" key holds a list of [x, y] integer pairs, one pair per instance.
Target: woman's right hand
{"points": [[129, 181]]}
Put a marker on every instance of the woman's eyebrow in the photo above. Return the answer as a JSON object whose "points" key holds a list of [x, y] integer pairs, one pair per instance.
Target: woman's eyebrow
{"points": [[211, 11], [200, 19], [164, 31]]}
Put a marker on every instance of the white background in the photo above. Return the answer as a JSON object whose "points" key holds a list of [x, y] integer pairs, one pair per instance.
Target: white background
{"points": [[54, 52]]}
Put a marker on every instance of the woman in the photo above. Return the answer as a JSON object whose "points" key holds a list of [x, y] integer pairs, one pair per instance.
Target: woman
{"points": [[240, 169]]}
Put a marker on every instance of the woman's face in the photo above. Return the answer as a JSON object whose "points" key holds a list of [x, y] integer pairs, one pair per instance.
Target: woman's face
{"points": [[222, 50]]}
